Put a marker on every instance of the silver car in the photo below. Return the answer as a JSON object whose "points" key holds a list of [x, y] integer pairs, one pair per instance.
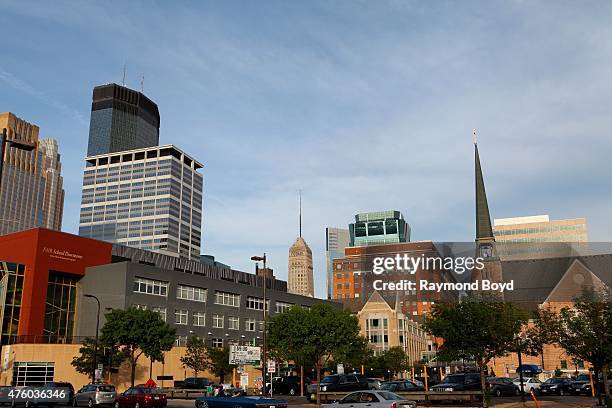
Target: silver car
{"points": [[95, 394], [372, 399]]}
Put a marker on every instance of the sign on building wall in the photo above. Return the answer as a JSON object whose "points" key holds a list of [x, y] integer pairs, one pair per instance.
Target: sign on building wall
{"points": [[244, 355]]}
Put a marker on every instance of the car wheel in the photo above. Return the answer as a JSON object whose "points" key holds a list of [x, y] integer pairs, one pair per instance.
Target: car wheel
{"points": [[561, 392], [90, 403], [498, 392]]}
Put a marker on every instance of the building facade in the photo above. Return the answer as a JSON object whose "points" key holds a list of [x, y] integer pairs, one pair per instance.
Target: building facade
{"points": [[300, 272], [540, 228], [336, 240], [32, 193], [147, 198], [381, 227], [121, 119]]}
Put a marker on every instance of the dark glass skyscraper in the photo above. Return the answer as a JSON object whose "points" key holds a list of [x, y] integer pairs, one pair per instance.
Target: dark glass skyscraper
{"points": [[121, 119]]}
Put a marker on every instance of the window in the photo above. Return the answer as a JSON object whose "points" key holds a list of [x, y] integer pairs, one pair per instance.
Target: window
{"points": [[564, 364], [150, 287], [250, 325], [218, 343], [217, 321], [180, 341], [199, 319], [140, 307], [233, 323], [180, 316], [161, 311], [191, 293], [227, 299], [282, 306], [257, 303]]}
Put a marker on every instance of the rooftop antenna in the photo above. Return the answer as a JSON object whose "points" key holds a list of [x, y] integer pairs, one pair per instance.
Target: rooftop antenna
{"points": [[474, 133], [142, 84], [300, 213], [123, 83]]}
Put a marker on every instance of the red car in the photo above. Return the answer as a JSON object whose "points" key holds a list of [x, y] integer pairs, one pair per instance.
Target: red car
{"points": [[141, 397]]}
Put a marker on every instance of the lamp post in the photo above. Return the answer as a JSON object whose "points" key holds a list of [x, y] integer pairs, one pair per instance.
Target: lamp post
{"points": [[264, 360], [95, 357]]}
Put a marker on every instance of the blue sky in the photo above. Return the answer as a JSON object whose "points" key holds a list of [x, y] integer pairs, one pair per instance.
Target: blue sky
{"points": [[364, 105]]}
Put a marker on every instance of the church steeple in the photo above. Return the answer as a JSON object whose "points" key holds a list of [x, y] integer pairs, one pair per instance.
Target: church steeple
{"points": [[484, 229]]}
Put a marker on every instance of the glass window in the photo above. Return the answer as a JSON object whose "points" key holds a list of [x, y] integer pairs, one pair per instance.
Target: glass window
{"points": [[256, 303], [180, 316], [199, 319], [150, 287], [227, 299], [217, 321], [161, 311], [233, 323], [191, 293]]}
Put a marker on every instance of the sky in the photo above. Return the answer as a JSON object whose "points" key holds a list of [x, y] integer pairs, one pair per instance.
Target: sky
{"points": [[362, 105]]}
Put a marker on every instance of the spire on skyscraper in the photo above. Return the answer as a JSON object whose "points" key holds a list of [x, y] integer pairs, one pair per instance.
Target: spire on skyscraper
{"points": [[484, 230], [300, 213]]}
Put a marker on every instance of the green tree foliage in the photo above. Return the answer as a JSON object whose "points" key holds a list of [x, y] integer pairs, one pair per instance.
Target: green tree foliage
{"points": [[314, 336], [217, 362], [136, 332], [107, 355], [195, 355], [585, 332], [476, 329]]}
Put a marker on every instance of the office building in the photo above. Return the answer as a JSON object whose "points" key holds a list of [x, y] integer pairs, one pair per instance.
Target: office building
{"points": [[540, 228], [121, 119], [32, 193], [381, 227], [336, 239], [300, 272], [148, 198]]}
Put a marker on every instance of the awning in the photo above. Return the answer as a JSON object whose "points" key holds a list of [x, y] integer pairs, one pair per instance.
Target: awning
{"points": [[529, 368]]}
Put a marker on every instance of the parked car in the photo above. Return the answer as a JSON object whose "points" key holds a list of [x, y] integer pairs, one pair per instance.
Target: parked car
{"points": [[401, 386], [500, 386], [242, 402], [430, 381], [195, 383], [528, 384], [581, 385], [289, 385], [374, 383], [459, 382], [4, 394], [343, 382], [556, 385], [95, 394], [141, 397], [373, 399]]}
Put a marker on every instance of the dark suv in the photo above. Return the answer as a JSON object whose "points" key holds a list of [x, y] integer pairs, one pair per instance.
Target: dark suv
{"points": [[344, 382], [195, 383], [459, 382], [288, 385]]}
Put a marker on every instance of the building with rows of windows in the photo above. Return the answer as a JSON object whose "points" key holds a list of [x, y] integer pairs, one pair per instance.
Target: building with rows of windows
{"points": [[149, 198]]}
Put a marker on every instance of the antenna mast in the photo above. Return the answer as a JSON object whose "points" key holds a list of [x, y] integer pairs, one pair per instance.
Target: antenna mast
{"points": [[123, 83], [300, 213]]}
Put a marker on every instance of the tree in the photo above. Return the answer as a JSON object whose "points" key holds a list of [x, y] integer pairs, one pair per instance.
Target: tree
{"points": [[395, 360], [476, 329], [217, 362], [136, 332], [585, 332], [107, 355], [195, 356], [313, 336]]}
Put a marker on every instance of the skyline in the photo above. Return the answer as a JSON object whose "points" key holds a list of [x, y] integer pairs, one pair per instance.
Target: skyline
{"points": [[358, 100]]}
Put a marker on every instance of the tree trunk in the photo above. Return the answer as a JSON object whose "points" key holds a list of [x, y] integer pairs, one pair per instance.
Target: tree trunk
{"points": [[133, 371], [606, 387], [483, 382], [318, 368]]}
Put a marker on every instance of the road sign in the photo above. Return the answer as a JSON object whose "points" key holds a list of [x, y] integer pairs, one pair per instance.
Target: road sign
{"points": [[244, 354], [340, 368], [271, 366], [100, 366]]}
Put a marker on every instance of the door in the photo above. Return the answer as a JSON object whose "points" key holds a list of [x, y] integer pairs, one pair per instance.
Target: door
{"points": [[352, 400]]}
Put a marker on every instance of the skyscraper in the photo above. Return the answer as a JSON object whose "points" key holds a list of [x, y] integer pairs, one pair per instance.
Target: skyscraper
{"points": [[380, 227], [121, 119], [300, 271], [149, 198], [336, 239], [32, 193]]}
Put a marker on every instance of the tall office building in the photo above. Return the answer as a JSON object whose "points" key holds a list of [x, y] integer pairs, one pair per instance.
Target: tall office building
{"points": [[32, 193], [336, 239], [300, 271], [381, 227], [148, 198], [540, 228], [121, 119]]}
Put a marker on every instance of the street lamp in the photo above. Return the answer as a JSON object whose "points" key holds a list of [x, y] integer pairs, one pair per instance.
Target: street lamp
{"points": [[264, 360], [95, 359]]}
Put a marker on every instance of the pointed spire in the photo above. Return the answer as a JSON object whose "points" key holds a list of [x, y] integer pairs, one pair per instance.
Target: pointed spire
{"points": [[300, 213], [484, 230]]}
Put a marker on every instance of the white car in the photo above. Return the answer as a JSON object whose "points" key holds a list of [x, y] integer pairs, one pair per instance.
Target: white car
{"points": [[528, 384], [372, 399]]}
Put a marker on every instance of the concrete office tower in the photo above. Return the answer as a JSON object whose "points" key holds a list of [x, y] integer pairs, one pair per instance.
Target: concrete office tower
{"points": [[51, 170], [380, 227], [300, 271], [121, 119], [147, 198], [540, 228], [31, 192], [336, 239]]}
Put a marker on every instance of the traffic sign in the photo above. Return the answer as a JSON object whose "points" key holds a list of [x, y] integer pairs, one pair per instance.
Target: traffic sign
{"points": [[271, 366], [244, 354]]}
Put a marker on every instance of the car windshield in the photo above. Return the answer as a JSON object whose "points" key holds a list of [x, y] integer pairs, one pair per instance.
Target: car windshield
{"points": [[330, 379], [554, 381], [388, 386], [150, 390], [389, 396], [453, 379], [106, 388]]}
